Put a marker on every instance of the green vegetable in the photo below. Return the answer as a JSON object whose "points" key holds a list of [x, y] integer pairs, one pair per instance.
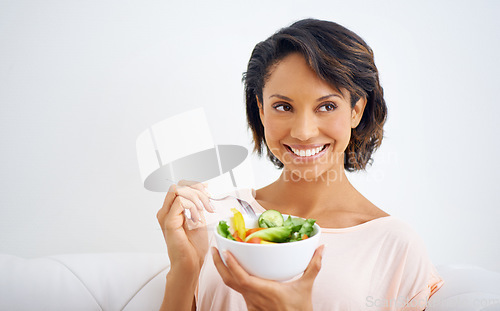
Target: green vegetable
{"points": [[275, 234], [300, 226], [295, 223], [295, 237], [270, 219], [276, 229], [307, 227], [223, 230]]}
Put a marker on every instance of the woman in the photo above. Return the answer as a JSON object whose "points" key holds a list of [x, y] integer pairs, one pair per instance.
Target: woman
{"points": [[314, 103]]}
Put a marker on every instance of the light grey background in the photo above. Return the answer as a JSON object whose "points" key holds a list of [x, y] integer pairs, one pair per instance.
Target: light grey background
{"points": [[79, 80]]}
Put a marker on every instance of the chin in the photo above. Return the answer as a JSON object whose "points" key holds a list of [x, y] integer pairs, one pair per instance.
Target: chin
{"points": [[311, 174]]}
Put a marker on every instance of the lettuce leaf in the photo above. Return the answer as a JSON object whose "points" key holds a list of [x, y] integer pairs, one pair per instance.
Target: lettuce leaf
{"points": [[307, 227], [223, 230], [299, 227]]}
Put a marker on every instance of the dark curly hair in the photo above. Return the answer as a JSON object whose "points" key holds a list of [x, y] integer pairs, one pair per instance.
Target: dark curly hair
{"points": [[338, 56]]}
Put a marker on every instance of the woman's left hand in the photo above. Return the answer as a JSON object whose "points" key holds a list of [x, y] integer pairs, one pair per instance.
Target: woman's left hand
{"points": [[261, 294]]}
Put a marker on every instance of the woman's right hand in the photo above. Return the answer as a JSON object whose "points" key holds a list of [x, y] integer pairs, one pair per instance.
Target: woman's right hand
{"points": [[186, 248]]}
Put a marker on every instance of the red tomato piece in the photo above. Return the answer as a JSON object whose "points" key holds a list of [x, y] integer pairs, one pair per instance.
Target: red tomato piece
{"points": [[250, 231], [236, 237], [255, 240]]}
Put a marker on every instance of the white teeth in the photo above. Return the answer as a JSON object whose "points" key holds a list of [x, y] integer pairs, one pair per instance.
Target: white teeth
{"points": [[306, 153]]}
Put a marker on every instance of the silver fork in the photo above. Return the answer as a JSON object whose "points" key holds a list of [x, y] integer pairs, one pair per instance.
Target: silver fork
{"points": [[247, 208]]}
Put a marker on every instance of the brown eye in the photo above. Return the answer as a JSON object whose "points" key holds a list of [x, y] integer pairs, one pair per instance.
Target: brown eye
{"points": [[328, 107], [283, 107]]}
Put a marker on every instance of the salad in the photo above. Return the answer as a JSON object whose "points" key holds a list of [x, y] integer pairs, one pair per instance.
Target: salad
{"points": [[273, 228]]}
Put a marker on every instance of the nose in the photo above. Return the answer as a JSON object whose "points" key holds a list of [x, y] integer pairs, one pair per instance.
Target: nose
{"points": [[304, 127]]}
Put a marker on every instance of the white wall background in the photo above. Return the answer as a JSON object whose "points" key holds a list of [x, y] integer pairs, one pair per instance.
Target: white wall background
{"points": [[79, 80]]}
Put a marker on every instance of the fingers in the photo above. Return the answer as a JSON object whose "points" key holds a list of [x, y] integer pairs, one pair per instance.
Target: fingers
{"points": [[222, 269], [175, 218], [200, 200], [187, 195], [235, 268], [188, 208], [196, 198], [236, 277], [314, 266], [191, 202], [182, 212], [167, 203], [194, 184], [232, 273], [197, 193], [257, 292]]}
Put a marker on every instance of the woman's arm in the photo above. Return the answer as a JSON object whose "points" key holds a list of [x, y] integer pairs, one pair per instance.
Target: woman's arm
{"points": [[186, 248], [179, 291]]}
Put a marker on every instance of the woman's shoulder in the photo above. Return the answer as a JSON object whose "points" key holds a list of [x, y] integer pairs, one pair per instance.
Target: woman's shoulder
{"points": [[399, 226], [398, 231], [388, 229]]}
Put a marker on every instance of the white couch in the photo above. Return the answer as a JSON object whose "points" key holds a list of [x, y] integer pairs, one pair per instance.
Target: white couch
{"points": [[135, 281], [75, 282]]}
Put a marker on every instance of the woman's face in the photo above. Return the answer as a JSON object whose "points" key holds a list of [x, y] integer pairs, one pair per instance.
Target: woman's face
{"points": [[307, 122]]}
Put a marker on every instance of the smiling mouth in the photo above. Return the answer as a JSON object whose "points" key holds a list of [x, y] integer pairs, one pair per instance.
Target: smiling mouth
{"points": [[306, 152]]}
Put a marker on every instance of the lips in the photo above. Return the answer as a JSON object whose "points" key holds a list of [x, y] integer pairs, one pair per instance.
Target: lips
{"points": [[306, 151]]}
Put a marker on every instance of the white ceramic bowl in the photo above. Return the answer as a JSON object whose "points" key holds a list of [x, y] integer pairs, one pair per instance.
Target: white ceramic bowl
{"points": [[279, 262]]}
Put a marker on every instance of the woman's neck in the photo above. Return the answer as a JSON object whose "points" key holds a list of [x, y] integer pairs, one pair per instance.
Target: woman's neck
{"points": [[308, 196]]}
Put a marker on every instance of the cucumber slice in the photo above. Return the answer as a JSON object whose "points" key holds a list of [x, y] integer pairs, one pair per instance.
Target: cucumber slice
{"points": [[270, 219]]}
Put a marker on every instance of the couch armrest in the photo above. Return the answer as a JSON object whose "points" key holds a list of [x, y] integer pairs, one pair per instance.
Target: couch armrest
{"points": [[114, 281]]}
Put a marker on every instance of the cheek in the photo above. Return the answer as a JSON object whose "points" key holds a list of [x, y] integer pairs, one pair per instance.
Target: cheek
{"points": [[340, 130], [274, 130]]}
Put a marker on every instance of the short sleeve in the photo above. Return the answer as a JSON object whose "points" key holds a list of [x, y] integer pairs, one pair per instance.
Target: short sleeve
{"points": [[420, 277]]}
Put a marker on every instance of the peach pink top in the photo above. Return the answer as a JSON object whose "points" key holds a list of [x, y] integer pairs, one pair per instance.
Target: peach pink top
{"points": [[381, 264]]}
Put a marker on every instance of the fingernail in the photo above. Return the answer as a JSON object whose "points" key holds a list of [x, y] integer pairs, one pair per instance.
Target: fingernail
{"points": [[200, 205], [214, 250], [212, 207], [187, 214], [225, 255], [194, 219]]}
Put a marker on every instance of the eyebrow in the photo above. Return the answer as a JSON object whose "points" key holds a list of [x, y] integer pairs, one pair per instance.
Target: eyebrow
{"points": [[281, 97], [291, 100]]}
